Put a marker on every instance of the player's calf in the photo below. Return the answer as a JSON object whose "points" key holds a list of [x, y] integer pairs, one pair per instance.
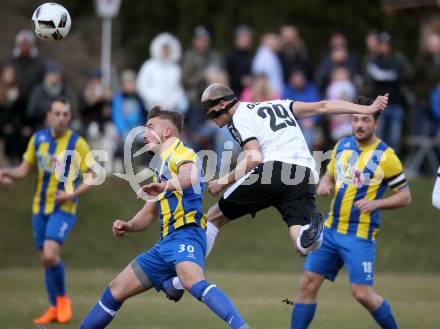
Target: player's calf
{"points": [[219, 303]]}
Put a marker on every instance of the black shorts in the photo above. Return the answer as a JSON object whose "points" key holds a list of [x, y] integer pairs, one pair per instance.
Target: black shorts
{"points": [[289, 188]]}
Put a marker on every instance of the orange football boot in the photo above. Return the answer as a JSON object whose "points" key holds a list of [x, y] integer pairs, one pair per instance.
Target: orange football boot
{"points": [[49, 316], [64, 309]]}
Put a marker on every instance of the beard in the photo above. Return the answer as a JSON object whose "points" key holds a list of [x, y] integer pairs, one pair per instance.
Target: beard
{"points": [[365, 137]]}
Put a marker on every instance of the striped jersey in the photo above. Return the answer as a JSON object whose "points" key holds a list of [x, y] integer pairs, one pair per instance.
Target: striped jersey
{"points": [[179, 208], [361, 173], [59, 162]]}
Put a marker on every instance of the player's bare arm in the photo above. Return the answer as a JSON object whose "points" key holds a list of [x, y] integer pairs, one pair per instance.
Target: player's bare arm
{"points": [[398, 199], [63, 196], [253, 158], [141, 221], [305, 109], [188, 175], [6, 175], [326, 185]]}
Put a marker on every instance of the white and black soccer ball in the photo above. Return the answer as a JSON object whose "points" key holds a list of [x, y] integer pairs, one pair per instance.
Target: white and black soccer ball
{"points": [[51, 22]]}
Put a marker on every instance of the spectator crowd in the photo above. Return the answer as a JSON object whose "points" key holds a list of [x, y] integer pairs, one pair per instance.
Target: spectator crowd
{"points": [[275, 66]]}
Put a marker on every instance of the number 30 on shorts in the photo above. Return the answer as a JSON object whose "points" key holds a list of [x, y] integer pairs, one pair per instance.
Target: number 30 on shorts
{"points": [[183, 247]]}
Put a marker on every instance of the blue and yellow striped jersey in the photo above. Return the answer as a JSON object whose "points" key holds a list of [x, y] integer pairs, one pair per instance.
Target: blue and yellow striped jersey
{"points": [[361, 173], [177, 209], [59, 161]]}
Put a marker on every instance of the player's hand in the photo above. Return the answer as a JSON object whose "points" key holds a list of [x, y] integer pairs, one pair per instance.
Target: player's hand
{"points": [[63, 196], [365, 205], [120, 228], [379, 104], [324, 189], [152, 189], [5, 179], [215, 188]]}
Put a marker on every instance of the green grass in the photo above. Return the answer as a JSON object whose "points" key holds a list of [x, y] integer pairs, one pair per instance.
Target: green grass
{"points": [[258, 296], [253, 261], [407, 243]]}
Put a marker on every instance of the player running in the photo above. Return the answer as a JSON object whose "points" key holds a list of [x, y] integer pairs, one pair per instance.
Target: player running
{"points": [[181, 250], [361, 168], [58, 153], [278, 169]]}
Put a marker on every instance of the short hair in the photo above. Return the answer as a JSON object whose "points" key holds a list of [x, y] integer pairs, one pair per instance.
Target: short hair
{"points": [[59, 99], [363, 100], [174, 117]]}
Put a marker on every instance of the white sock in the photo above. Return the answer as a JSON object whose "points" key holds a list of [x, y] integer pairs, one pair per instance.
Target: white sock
{"points": [[211, 234], [314, 246], [177, 284]]}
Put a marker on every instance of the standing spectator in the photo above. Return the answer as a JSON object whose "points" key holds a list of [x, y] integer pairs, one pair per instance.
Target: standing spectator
{"points": [[259, 91], [388, 72], [159, 79], [53, 87], [426, 79], [10, 116], [127, 108], [340, 88], [293, 52], [266, 62], [300, 89], [28, 65], [96, 112], [338, 56], [238, 62], [197, 60]]}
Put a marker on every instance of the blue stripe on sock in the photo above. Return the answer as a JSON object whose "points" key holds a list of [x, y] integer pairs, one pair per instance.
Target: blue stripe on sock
{"points": [[302, 315]]}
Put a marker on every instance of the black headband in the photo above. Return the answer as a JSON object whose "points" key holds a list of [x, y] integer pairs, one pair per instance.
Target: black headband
{"points": [[208, 104]]}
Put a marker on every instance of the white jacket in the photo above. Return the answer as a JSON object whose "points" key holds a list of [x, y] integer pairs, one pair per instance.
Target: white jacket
{"points": [[159, 79]]}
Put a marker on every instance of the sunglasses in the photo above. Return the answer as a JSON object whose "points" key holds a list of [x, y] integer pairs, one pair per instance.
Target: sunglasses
{"points": [[209, 103]]}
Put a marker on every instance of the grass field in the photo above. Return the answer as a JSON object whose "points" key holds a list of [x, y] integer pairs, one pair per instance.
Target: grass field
{"points": [[258, 296], [253, 261]]}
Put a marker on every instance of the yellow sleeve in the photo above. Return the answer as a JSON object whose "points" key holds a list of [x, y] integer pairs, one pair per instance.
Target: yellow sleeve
{"points": [[184, 155], [83, 149], [393, 171], [331, 164], [29, 156]]}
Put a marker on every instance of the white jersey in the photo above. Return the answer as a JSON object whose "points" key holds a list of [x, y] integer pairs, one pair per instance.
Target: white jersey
{"points": [[275, 128]]}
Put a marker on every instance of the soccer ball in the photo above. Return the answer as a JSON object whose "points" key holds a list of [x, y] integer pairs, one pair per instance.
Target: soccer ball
{"points": [[51, 22]]}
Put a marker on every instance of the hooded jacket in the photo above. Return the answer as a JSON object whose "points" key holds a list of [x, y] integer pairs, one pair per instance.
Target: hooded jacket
{"points": [[159, 79]]}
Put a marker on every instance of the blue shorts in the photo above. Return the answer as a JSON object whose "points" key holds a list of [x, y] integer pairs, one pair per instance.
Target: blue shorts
{"points": [[337, 249], [185, 244], [55, 226]]}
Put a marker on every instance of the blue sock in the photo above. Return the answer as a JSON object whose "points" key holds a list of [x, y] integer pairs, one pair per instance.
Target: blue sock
{"points": [[50, 286], [57, 272], [219, 303], [302, 315], [384, 316], [102, 313]]}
